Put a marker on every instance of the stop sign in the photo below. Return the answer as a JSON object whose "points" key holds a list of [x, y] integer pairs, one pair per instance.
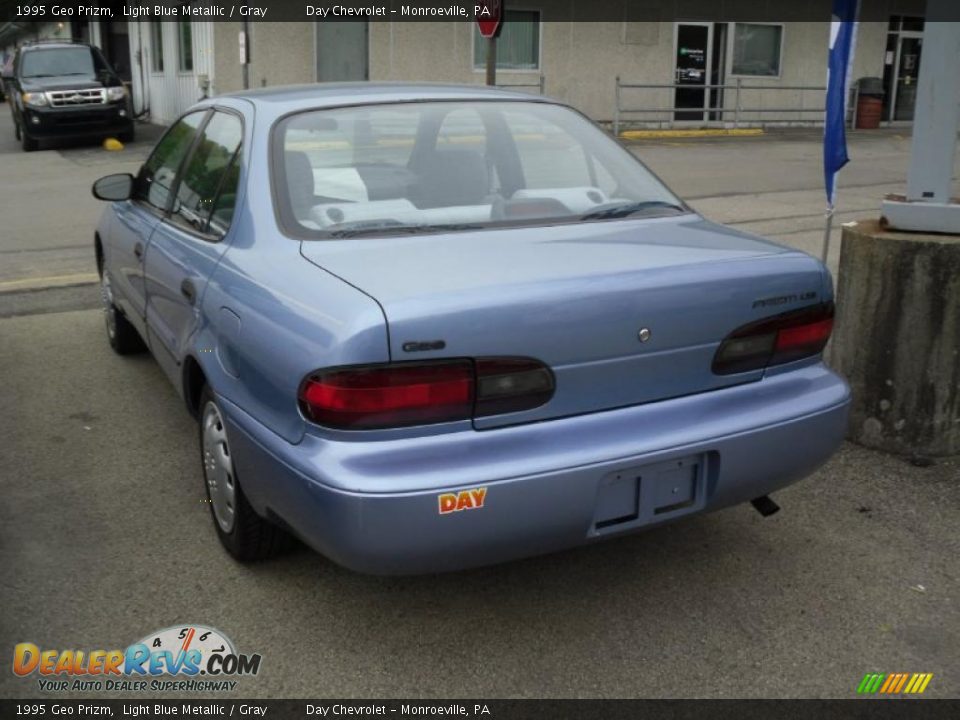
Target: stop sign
{"points": [[489, 16]]}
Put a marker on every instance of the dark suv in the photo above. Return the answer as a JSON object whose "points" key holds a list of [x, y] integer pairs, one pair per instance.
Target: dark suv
{"points": [[66, 90]]}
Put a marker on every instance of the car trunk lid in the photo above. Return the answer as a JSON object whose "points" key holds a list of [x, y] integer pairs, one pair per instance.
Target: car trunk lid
{"points": [[580, 298]]}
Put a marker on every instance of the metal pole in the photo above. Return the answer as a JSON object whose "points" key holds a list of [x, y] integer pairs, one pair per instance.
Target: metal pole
{"points": [[856, 103], [246, 54], [937, 112], [492, 61], [825, 249], [736, 114], [616, 108]]}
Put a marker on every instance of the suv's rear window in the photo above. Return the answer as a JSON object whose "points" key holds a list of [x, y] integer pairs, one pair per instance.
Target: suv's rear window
{"points": [[52, 62], [430, 166]]}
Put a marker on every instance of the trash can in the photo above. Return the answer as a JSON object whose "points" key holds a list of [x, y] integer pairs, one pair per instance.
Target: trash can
{"points": [[869, 103]]}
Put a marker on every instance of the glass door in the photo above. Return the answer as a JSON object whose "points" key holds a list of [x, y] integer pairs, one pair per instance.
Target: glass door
{"points": [[692, 70], [907, 73]]}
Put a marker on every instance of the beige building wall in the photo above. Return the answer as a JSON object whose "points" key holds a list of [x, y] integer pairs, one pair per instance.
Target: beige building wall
{"points": [[804, 64], [281, 53], [579, 61]]}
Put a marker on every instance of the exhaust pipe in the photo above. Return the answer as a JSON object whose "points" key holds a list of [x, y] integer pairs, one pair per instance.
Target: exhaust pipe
{"points": [[765, 506]]}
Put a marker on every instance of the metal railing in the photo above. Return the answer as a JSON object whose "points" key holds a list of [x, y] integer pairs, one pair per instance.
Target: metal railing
{"points": [[538, 85], [728, 110]]}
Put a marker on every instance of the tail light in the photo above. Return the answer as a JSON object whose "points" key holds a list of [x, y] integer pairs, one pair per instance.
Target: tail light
{"points": [[371, 397], [775, 340]]}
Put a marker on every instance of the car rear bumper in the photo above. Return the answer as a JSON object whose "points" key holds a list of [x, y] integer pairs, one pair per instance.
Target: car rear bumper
{"points": [[73, 122], [374, 506]]}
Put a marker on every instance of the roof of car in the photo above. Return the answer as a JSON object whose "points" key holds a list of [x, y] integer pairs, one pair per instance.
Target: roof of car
{"points": [[360, 93], [45, 44]]}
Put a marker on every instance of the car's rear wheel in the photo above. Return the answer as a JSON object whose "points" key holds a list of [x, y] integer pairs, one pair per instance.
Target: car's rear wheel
{"points": [[243, 533], [123, 337]]}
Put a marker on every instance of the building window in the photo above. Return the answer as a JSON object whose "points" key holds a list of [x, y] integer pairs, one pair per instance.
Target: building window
{"points": [[518, 46], [185, 42], [156, 46], [756, 49]]}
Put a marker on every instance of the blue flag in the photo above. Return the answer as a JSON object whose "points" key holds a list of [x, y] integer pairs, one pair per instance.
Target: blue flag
{"points": [[842, 32]]}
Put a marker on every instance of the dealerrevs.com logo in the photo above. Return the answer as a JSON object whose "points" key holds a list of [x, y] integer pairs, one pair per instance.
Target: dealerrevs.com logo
{"points": [[179, 658]]}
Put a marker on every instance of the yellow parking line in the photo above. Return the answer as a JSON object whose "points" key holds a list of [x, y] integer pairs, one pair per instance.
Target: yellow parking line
{"points": [[39, 283]]}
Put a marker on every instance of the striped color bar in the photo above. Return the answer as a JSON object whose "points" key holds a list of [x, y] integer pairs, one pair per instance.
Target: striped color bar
{"points": [[894, 683]]}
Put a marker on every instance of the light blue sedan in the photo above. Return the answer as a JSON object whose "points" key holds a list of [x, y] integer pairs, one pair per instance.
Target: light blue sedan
{"points": [[430, 327]]}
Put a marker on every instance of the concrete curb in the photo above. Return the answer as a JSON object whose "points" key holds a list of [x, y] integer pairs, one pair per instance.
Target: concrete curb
{"points": [[45, 283], [703, 132]]}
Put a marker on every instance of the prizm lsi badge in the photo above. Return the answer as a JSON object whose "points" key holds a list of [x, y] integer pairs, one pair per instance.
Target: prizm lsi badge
{"points": [[783, 299]]}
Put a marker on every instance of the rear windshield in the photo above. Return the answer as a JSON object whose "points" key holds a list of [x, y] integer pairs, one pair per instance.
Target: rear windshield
{"points": [[53, 62], [437, 166]]}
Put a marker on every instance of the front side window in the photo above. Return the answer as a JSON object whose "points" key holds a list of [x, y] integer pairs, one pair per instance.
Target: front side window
{"points": [[756, 49], [155, 180], [434, 166], [518, 46], [53, 62], [208, 185]]}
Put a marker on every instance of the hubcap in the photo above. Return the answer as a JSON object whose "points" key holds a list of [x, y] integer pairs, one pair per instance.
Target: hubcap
{"points": [[218, 468], [109, 311]]}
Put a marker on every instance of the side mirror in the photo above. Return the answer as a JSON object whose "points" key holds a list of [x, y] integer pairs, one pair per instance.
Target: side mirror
{"points": [[114, 187]]}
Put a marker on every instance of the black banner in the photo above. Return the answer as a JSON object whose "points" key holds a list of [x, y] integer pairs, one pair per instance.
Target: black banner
{"points": [[494, 709], [26, 11]]}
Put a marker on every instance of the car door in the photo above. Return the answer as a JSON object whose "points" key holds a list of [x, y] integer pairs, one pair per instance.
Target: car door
{"points": [[136, 219], [188, 243]]}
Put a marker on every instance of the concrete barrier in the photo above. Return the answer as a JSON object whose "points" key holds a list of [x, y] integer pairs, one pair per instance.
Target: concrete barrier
{"points": [[897, 339]]}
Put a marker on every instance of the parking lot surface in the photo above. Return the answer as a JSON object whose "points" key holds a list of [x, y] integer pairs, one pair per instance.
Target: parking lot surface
{"points": [[104, 535]]}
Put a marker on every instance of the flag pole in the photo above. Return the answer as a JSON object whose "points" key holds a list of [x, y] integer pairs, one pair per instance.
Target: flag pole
{"points": [[825, 250], [843, 40]]}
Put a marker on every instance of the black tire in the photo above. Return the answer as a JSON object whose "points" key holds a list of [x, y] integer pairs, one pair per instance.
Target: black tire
{"points": [[16, 129], [249, 536], [122, 336], [28, 143]]}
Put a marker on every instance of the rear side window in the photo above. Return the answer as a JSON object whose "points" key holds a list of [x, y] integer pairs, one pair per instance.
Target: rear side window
{"points": [[155, 180], [207, 190]]}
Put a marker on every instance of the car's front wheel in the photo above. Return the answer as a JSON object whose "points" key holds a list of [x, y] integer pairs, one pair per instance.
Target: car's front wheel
{"points": [[244, 534], [122, 336], [28, 143]]}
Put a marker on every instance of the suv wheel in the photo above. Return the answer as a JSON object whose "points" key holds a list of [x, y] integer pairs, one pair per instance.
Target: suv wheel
{"points": [[243, 533], [16, 129], [28, 143]]}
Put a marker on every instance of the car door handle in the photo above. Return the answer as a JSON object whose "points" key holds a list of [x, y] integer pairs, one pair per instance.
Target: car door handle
{"points": [[138, 250], [188, 291]]}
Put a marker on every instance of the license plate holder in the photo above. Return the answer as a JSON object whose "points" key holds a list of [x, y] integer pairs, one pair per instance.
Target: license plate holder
{"points": [[651, 493]]}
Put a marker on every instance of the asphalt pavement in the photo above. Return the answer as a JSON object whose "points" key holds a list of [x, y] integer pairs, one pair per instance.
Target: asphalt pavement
{"points": [[104, 535]]}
